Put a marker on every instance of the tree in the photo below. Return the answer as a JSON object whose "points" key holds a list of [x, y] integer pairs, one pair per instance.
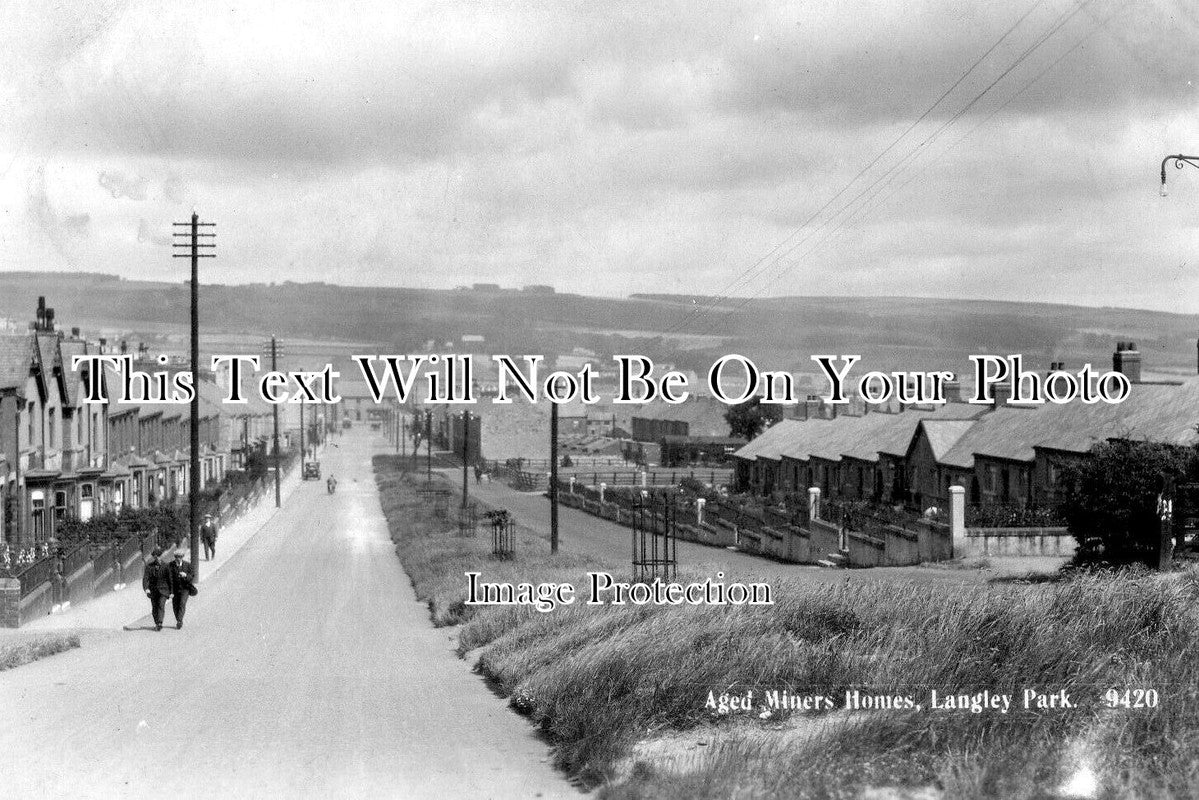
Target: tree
{"points": [[746, 420], [1112, 496]]}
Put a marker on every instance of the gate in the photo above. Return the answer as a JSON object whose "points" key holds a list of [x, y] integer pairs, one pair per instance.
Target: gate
{"points": [[503, 534], [655, 548]]}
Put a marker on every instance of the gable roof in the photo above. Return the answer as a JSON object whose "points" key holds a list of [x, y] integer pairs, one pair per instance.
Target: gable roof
{"points": [[17, 359], [1151, 412]]}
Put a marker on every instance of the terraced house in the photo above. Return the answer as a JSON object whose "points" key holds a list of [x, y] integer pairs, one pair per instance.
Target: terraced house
{"points": [[1002, 454], [62, 458]]}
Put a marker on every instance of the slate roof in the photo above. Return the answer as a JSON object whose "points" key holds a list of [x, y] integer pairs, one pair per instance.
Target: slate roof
{"points": [[861, 437], [1152, 412], [73, 378], [959, 431], [16, 359]]}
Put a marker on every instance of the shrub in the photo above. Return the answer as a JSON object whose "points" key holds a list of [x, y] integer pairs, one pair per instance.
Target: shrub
{"points": [[1113, 495]]}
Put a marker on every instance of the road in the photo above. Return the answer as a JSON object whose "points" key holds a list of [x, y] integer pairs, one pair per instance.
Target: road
{"points": [[306, 668], [583, 534]]}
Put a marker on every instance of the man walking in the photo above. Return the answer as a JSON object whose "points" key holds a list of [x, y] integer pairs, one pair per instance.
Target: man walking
{"points": [[180, 573], [156, 583], [208, 537]]}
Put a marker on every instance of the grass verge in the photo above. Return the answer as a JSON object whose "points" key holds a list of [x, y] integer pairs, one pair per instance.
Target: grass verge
{"points": [[22, 649], [622, 691]]}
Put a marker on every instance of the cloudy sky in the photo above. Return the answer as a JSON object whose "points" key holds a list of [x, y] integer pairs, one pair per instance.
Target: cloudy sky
{"points": [[610, 148]]}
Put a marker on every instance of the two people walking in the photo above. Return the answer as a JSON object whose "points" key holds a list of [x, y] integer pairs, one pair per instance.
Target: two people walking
{"points": [[162, 581]]}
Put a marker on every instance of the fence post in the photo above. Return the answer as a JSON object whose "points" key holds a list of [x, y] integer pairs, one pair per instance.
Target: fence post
{"points": [[572, 484], [603, 486], [957, 520], [699, 510], [813, 503]]}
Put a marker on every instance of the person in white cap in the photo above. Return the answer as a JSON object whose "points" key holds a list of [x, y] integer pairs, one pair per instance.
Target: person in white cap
{"points": [[182, 587]]}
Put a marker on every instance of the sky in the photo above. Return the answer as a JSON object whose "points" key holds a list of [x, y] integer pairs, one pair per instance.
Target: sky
{"points": [[997, 150]]}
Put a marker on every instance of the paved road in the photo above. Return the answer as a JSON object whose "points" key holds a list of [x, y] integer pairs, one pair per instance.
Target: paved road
{"points": [[306, 669], [605, 541]]}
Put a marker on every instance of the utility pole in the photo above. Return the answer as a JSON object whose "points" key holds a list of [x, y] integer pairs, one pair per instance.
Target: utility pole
{"points": [[191, 248], [465, 453], [429, 446], [404, 440], [274, 351], [553, 477]]}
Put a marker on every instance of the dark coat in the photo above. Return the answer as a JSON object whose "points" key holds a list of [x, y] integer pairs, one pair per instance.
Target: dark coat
{"points": [[181, 577], [208, 532], [156, 578]]}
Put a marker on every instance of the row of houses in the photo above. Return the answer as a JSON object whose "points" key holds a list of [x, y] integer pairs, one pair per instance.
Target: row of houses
{"points": [[1003, 454], [62, 458]]}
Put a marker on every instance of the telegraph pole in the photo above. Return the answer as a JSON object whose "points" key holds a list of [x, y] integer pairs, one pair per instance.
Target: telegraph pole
{"points": [[274, 351], [465, 452], [429, 446], [191, 248], [553, 477]]}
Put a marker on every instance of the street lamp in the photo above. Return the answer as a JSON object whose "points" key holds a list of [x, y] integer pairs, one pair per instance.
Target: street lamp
{"points": [[1178, 160]]}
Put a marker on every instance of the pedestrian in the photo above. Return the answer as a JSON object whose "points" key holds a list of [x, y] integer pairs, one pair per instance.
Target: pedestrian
{"points": [[181, 585], [208, 537], [478, 474], [156, 583]]}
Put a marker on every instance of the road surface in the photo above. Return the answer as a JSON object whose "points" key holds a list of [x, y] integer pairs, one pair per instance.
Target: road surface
{"points": [[583, 534], [306, 668]]}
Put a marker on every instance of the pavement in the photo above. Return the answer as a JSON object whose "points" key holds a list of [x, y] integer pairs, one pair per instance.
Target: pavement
{"points": [[127, 606], [306, 668]]}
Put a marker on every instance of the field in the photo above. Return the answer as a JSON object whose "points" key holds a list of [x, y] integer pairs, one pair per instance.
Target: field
{"points": [[623, 691]]}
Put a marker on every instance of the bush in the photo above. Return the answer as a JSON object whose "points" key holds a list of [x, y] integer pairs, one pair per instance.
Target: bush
{"points": [[1112, 497]]}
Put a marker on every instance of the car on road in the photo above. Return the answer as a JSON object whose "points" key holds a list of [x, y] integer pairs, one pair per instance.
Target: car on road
{"points": [[312, 469]]}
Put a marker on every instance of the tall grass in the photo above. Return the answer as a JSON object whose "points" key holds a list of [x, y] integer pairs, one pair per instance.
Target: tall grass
{"points": [[599, 680], [19, 649]]}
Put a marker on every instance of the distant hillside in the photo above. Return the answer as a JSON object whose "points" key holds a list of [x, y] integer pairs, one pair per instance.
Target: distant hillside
{"points": [[890, 333]]}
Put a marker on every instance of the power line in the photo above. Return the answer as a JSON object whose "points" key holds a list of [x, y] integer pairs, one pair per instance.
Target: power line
{"points": [[745, 277], [1062, 20]]}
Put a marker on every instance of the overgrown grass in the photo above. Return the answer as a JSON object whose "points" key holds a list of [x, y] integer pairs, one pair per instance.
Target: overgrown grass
{"points": [[25, 648], [601, 680]]}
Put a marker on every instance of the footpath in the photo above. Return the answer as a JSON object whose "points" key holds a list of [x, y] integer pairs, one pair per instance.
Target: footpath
{"points": [[115, 610]]}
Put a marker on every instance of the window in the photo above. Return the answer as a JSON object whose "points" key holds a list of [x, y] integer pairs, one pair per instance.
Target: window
{"points": [[51, 417], [37, 506], [60, 506]]}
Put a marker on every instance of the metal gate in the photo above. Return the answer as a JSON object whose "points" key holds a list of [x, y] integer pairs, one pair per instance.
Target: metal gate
{"points": [[503, 534], [655, 548]]}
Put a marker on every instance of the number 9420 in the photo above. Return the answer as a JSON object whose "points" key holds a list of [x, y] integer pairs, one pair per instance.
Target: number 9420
{"points": [[1131, 698]]}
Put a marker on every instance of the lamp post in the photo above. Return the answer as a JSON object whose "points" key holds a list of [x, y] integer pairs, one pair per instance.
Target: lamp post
{"points": [[1179, 161]]}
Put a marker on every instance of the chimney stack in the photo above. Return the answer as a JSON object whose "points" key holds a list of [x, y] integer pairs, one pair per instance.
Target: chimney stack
{"points": [[74, 333], [1127, 360], [953, 390], [49, 319], [1001, 394]]}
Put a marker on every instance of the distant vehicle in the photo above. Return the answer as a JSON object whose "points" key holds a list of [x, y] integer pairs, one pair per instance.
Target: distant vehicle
{"points": [[312, 469], [345, 423]]}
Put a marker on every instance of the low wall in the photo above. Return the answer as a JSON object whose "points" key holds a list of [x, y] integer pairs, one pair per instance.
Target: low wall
{"points": [[865, 550], [824, 537], [1019, 542]]}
